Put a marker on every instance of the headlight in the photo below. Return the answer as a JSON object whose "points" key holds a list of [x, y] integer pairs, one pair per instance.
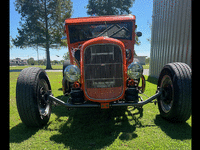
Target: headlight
{"points": [[72, 73], [135, 70]]}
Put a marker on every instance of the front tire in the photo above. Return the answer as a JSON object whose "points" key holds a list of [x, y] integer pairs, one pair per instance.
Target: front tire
{"points": [[175, 101], [31, 96]]}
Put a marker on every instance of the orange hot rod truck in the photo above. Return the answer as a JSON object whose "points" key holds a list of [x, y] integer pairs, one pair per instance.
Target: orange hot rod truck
{"points": [[101, 73]]}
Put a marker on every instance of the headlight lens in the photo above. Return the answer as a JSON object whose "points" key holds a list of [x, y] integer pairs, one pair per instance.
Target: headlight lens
{"points": [[72, 73], [135, 70]]}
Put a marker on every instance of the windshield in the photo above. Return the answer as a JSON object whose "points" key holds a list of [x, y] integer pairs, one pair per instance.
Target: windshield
{"points": [[122, 30]]}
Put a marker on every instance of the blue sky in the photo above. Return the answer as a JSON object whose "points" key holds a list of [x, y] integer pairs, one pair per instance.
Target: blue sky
{"points": [[142, 9]]}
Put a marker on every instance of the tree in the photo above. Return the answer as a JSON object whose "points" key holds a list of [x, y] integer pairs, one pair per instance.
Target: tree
{"points": [[137, 41], [31, 61], [66, 56], [10, 43], [42, 23], [109, 7]]}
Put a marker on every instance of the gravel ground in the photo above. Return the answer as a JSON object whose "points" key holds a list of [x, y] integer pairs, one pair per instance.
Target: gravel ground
{"points": [[53, 70], [146, 72]]}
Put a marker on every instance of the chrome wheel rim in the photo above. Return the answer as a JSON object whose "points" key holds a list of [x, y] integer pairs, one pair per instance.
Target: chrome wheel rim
{"points": [[166, 99], [43, 102]]}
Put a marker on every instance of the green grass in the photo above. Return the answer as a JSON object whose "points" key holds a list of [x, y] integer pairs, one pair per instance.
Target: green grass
{"points": [[93, 128], [145, 66], [56, 67]]}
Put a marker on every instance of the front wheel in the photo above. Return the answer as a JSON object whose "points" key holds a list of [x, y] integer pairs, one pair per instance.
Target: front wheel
{"points": [[175, 101], [31, 96]]}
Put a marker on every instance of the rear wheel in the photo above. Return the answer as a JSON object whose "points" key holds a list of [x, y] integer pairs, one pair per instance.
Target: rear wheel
{"points": [[31, 96], [175, 101]]}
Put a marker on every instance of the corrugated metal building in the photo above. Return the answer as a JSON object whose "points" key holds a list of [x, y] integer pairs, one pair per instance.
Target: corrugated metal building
{"points": [[171, 34]]}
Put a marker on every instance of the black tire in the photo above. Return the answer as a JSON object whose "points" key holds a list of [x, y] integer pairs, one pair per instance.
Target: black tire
{"points": [[32, 104], [175, 101]]}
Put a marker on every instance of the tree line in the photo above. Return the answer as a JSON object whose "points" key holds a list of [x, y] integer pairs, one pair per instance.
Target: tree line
{"points": [[42, 21], [31, 61]]}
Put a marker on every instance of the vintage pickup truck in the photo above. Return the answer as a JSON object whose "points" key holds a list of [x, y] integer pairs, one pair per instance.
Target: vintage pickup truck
{"points": [[101, 73]]}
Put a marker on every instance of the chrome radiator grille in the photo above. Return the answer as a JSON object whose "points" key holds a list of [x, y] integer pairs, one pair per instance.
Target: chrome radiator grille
{"points": [[103, 66]]}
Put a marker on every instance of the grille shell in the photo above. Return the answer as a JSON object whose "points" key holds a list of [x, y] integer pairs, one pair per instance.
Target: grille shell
{"points": [[103, 71]]}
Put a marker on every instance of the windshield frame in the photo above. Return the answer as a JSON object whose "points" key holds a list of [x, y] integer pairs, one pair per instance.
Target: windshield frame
{"points": [[106, 25]]}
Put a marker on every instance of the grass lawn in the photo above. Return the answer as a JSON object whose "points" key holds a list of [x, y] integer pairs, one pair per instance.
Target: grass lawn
{"points": [[56, 67], [92, 128], [146, 66]]}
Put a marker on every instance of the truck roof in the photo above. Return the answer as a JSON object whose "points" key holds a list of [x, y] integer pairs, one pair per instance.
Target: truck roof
{"points": [[95, 19]]}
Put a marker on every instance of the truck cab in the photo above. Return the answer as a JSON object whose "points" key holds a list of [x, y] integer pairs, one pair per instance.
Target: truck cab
{"points": [[101, 67]]}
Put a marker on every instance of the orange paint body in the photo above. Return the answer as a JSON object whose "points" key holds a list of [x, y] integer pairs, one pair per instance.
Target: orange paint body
{"points": [[101, 95]]}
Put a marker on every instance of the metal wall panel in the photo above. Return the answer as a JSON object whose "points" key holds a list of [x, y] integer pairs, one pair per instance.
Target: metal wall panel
{"points": [[171, 34]]}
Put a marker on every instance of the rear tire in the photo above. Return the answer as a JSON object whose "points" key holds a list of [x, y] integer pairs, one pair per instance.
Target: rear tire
{"points": [[31, 97], [175, 101]]}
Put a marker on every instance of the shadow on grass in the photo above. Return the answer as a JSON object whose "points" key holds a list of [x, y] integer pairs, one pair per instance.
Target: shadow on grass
{"points": [[179, 131], [93, 128], [152, 80], [60, 89], [20, 133]]}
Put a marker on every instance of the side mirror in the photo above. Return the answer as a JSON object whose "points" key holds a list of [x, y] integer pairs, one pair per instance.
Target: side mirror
{"points": [[139, 34]]}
